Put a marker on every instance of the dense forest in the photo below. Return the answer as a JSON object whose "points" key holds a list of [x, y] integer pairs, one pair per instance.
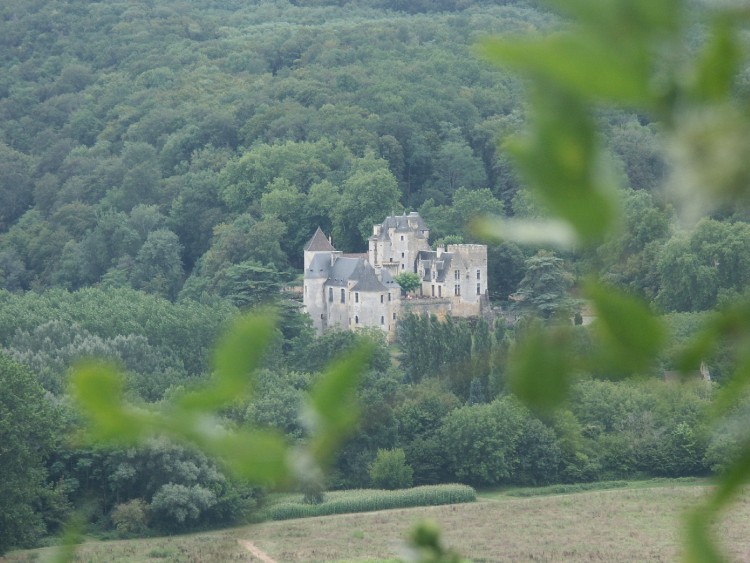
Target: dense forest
{"points": [[161, 167]]}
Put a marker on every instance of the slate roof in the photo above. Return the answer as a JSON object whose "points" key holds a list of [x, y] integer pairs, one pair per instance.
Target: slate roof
{"points": [[320, 266], [441, 265], [319, 243], [401, 225], [387, 280], [368, 280], [342, 271]]}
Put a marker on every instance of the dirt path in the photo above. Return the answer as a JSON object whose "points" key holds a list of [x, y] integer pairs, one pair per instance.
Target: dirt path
{"points": [[250, 546]]}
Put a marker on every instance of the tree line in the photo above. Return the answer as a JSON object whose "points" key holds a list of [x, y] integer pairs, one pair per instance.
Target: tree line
{"points": [[443, 413]]}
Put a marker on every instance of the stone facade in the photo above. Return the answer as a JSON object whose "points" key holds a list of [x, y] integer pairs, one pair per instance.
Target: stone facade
{"points": [[357, 291]]}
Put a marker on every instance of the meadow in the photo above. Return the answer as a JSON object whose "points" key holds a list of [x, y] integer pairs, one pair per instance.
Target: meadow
{"points": [[633, 523]]}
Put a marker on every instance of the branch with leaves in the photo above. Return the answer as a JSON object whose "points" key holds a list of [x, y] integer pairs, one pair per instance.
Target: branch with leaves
{"points": [[632, 54]]}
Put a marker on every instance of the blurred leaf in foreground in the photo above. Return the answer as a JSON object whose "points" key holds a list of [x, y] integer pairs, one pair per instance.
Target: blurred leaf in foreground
{"points": [[260, 456], [541, 366], [629, 336], [641, 55]]}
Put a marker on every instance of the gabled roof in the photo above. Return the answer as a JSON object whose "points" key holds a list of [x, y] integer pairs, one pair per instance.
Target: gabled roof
{"points": [[319, 243], [368, 280], [344, 269]]}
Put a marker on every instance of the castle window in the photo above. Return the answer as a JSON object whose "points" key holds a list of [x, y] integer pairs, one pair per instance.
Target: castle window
{"points": [[343, 296], [433, 290], [402, 266], [479, 289], [381, 297], [402, 237], [330, 294], [457, 290], [356, 297], [356, 319], [382, 320], [479, 274], [457, 275], [394, 316], [402, 255], [440, 291], [389, 296]]}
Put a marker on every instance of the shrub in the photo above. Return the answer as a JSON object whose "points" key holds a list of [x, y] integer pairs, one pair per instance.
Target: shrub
{"points": [[313, 492], [176, 507], [390, 470], [131, 518]]}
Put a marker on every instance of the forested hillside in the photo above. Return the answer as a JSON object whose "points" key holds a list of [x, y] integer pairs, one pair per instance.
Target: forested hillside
{"points": [[162, 165], [156, 146]]}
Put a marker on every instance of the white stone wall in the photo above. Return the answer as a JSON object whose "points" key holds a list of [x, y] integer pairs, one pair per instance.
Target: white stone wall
{"points": [[398, 255], [313, 299], [470, 261], [367, 310]]}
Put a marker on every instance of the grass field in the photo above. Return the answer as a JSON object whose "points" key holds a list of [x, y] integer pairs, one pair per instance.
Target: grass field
{"points": [[638, 523]]}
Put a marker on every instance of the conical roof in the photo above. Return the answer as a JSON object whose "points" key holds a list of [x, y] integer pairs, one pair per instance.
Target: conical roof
{"points": [[319, 243]]}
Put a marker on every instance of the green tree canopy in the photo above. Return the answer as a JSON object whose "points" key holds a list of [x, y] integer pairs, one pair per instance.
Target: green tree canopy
{"points": [[27, 430]]}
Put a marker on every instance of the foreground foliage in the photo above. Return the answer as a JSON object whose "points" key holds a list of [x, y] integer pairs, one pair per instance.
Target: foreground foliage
{"points": [[639, 54]]}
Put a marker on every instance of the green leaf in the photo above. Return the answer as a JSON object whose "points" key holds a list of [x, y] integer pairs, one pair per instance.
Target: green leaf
{"points": [[630, 336], [734, 390], [97, 388], [541, 367], [533, 233], [580, 63], [562, 162], [237, 356], [718, 64], [332, 407], [614, 18], [259, 456], [698, 536]]}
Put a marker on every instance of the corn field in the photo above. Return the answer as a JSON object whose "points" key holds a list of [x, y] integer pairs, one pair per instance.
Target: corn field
{"points": [[367, 500]]}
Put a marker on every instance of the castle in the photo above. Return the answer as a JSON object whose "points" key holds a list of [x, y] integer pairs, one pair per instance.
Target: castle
{"points": [[358, 290]]}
